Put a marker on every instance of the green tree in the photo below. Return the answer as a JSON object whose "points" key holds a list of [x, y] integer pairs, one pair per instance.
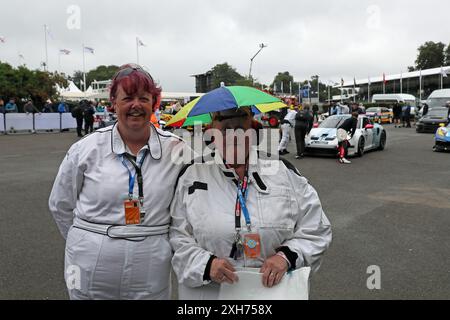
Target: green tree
{"points": [[431, 55], [286, 79], [23, 83], [100, 73], [447, 55], [228, 75]]}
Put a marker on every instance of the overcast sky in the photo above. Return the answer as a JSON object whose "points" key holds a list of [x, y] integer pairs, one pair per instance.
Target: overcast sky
{"points": [[332, 38]]}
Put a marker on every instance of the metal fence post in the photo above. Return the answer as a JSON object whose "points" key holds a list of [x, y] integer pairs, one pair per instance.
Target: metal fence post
{"points": [[4, 122]]}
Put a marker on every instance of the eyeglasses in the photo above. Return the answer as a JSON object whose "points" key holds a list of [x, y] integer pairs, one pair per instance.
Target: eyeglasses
{"points": [[129, 70]]}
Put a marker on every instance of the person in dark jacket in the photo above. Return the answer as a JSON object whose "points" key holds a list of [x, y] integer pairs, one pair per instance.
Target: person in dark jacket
{"points": [[397, 111], [349, 126], [425, 110], [315, 111], [77, 113], [406, 115], [29, 107], [88, 112], [304, 121]]}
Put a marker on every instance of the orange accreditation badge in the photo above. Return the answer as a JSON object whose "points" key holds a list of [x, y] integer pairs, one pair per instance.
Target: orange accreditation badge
{"points": [[132, 212], [252, 246]]}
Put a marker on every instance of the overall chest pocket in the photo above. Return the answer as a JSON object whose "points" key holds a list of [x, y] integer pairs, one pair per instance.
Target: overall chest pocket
{"points": [[277, 209]]}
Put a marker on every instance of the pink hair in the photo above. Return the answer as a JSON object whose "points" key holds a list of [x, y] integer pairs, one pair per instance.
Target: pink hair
{"points": [[135, 82]]}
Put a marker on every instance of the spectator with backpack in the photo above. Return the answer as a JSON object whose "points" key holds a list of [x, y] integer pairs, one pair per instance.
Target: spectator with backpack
{"points": [[304, 122], [88, 112], [77, 113]]}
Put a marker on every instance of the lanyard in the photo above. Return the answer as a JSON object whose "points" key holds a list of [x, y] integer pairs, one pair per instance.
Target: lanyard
{"points": [[132, 178], [242, 194]]}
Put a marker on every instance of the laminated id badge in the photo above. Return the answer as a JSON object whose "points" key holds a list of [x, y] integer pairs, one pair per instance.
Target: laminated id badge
{"points": [[252, 245], [132, 212]]}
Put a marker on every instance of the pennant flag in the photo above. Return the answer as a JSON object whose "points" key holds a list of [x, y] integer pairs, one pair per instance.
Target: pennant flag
{"points": [[64, 51], [89, 49], [2, 39], [342, 82], [49, 33], [140, 43], [369, 81], [444, 72], [354, 82], [21, 56], [384, 78]]}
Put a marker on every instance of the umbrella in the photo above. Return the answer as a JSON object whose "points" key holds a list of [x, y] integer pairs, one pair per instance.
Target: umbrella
{"points": [[221, 99], [182, 120]]}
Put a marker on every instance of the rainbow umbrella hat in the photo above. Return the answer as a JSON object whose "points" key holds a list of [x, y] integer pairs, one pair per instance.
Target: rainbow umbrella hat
{"points": [[220, 99]]}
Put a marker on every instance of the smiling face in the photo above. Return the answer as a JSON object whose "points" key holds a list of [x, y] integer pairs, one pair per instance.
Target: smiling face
{"points": [[133, 111]]}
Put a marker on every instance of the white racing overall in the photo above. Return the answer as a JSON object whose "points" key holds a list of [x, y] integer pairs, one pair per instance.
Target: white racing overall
{"points": [[285, 210], [87, 202]]}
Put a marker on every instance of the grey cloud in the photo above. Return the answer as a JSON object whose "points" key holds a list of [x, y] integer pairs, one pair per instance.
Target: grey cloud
{"points": [[331, 38]]}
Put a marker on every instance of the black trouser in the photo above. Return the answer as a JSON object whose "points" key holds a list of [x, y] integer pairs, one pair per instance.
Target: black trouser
{"points": [[300, 133], [79, 126], [88, 125], [407, 121], [316, 115]]}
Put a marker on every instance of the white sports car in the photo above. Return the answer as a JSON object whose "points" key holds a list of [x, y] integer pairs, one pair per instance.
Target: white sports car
{"points": [[368, 136]]}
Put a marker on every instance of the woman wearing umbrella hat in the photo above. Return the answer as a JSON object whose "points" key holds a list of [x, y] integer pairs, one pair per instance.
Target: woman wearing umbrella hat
{"points": [[257, 213]]}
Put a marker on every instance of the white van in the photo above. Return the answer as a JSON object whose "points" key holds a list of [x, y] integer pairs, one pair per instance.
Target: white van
{"points": [[396, 98], [438, 98]]}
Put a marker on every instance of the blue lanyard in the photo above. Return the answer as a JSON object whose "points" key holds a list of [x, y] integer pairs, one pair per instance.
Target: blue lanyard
{"points": [[242, 201], [131, 177]]}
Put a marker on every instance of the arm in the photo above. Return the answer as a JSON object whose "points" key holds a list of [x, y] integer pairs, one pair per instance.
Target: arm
{"points": [[66, 188], [189, 261], [312, 233]]}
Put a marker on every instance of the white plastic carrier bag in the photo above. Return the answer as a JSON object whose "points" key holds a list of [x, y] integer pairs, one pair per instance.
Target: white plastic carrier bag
{"points": [[293, 286]]}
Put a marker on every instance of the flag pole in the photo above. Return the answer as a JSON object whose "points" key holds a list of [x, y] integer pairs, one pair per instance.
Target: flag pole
{"points": [[137, 50], [420, 85], [318, 90], [84, 71], [401, 82], [46, 48], [368, 91]]}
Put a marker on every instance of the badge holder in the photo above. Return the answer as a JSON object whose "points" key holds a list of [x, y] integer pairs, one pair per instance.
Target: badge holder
{"points": [[132, 211], [251, 242]]}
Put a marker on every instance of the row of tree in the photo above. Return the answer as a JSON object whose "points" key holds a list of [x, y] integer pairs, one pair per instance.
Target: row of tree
{"points": [[431, 55], [22, 83]]}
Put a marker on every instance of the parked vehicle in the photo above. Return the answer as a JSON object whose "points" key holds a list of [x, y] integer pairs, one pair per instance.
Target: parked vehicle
{"points": [[390, 99], [380, 114], [368, 136], [442, 139], [432, 120]]}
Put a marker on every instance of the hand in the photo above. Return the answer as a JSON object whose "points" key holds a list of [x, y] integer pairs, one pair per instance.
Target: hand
{"points": [[273, 271], [222, 271]]}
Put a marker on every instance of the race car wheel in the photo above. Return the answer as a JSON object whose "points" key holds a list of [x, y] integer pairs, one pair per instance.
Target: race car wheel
{"points": [[361, 144], [273, 121], [382, 141]]}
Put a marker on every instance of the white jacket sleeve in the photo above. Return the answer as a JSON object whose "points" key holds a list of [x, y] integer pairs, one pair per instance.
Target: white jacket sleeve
{"points": [[312, 234], [189, 260], [65, 191]]}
